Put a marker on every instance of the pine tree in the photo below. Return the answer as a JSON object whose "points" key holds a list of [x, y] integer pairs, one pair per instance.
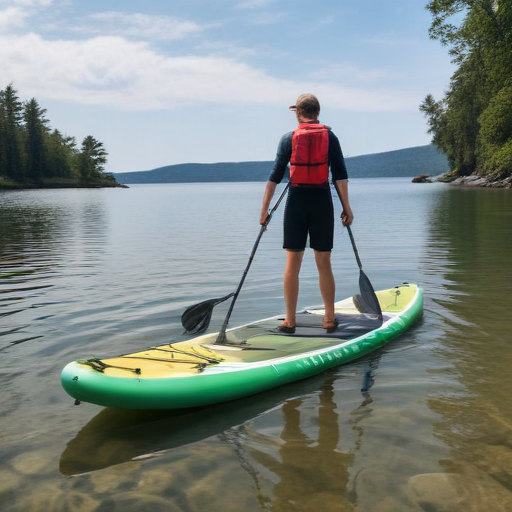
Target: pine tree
{"points": [[93, 158], [12, 110], [62, 155], [36, 134], [3, 138]]}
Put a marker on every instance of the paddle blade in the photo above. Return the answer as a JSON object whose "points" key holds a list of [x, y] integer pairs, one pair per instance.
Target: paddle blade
{"points": [[368, 300], [196, 319]]}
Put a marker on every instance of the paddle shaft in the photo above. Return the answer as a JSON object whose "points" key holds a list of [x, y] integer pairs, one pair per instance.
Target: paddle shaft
{"points": [[358, 259], [356, 253], [221, 338], [365, 286]]}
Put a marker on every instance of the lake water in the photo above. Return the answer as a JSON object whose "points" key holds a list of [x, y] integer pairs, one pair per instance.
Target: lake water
{"points": [[423, 425]]}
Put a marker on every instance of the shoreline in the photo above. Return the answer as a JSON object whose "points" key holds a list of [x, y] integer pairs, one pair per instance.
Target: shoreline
{"points": [[477, 181], [11, 185], [472, 181]]}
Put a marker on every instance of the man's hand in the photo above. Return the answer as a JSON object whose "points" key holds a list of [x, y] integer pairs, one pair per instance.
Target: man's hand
{"points": [[263, 218], [270, 188], [347, 217]]}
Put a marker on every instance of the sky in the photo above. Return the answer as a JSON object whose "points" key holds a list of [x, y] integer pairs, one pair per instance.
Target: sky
{"points": [[176, 81]]}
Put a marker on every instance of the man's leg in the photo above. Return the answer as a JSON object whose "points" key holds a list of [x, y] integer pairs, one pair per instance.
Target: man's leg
{"points": [[291, 284], [326, 282]]}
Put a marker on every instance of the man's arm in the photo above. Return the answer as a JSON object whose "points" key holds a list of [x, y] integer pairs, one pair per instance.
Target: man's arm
{"points": [[267, 197], [284, 152], [346, 215]]}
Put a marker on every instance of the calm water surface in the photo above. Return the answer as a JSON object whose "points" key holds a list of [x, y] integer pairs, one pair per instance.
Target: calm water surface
{"points": [[423, 425]]}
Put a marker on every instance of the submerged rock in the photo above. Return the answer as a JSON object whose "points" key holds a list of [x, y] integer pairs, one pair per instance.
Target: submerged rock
{"points": [[51, 497], [449, 492], [33, 463], [374, 489], [9, 481], [436, 491]]}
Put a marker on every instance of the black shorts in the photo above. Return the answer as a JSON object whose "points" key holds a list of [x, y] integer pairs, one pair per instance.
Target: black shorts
{"points": [[309, 211]]}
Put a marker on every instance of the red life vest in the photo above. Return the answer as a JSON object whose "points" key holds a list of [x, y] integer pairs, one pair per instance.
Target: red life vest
{"points": [[309, 164]]}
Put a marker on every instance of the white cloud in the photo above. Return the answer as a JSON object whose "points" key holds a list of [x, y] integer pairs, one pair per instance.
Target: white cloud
{"points": [[17, 12], [28, 3], [143, 26], [12, 18], [115, 72]]}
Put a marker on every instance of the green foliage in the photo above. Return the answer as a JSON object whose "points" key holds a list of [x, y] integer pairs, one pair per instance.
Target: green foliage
{"points": [[93, 157], [495, 137], [32, 154], [496, 120], [62, 155], [499, 164], [35, 135], [11, 111], [470, 124]]}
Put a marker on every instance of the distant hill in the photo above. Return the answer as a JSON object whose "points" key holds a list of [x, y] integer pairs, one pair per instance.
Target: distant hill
{"points": [[407, 162]]}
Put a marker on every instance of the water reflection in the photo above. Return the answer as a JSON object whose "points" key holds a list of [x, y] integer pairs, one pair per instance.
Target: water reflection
{"points": [[115, 436], [301, 459], [298, 487], [309, 472], [44, 235], [473, 227]]}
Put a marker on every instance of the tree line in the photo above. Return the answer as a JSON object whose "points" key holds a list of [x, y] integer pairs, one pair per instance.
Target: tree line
{"points": [[472, 124], [32, 153]]}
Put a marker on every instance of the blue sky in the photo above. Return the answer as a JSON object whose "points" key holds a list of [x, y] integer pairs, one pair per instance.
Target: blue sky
{"points": [[167, 82]]}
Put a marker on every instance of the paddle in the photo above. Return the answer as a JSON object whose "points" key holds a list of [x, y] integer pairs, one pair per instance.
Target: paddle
{"points": [[196, 318], [368, 300]]}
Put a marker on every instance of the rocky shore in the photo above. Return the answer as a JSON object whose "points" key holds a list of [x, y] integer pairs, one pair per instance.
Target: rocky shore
{"points": [[473, 180]]}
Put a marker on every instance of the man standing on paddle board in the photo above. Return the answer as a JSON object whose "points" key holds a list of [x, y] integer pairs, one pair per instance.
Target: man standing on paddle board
{"points": [[310, 150]]}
